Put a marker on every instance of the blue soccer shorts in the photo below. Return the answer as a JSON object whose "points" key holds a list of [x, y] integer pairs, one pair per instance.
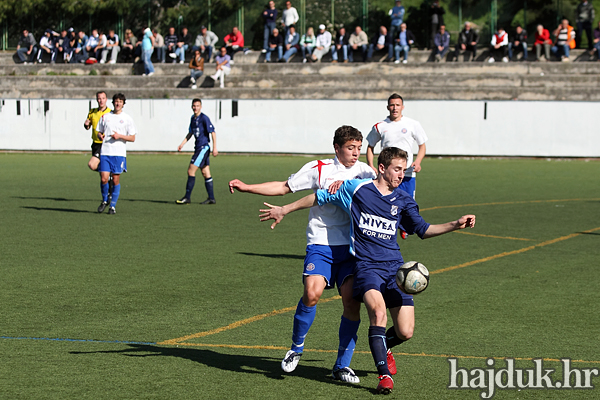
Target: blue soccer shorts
{"points": [[201, 157], [334, 263], [380, 276], [113, 164], [409, 185]]}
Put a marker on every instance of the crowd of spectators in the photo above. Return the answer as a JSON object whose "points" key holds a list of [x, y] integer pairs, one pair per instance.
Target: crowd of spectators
{"points": [[282, 41]]}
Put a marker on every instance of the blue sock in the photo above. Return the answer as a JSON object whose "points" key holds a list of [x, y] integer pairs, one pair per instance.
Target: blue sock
{"points": [[378, 349], [104, 191], [348, 338], [115, 195], [391, 339], [209, 188], [190, 186], [303, 319]]}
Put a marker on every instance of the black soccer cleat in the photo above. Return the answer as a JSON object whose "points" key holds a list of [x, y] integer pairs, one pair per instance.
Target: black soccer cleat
{"points": [[209, 201], [112, 211], [102, 207], [183, 200]]}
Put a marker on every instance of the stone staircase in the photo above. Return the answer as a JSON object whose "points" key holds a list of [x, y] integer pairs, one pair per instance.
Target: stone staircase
{"points": [[251, 78]]}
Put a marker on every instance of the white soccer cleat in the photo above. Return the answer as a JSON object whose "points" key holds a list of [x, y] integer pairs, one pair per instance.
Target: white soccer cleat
{"points": [[290, 362], [345, 375]]}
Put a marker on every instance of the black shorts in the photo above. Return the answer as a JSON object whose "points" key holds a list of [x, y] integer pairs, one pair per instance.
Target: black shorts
{"points": [[96, 148]]}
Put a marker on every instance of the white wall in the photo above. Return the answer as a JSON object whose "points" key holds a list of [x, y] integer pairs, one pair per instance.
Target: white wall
{"points": [[555, 129]]}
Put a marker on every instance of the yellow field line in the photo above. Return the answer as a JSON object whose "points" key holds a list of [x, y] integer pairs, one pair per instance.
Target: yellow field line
{"points": [[287, 309], [492, 236], [510, 253], [240, 323], [237, 346], [505, 203]]}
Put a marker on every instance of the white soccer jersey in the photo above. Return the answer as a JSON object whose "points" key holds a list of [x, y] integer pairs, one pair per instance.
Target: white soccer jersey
{"points": [[328, 225], [401, 134], [115, 123]]}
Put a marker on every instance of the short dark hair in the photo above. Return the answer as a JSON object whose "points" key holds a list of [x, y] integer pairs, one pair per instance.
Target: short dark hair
{"points": [[346, 133], [395, 96], [120, 96], [196, 100], [388, 154], [102, 91]]}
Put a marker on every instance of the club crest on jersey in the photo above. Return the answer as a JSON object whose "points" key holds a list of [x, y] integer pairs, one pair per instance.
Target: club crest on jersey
{"points": [[121, 121], [394, 210], [404, 130], [310, 267]]}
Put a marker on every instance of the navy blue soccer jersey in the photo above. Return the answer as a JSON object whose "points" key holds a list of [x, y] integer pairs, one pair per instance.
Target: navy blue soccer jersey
{"points": [[375, 218], [201, 128]]}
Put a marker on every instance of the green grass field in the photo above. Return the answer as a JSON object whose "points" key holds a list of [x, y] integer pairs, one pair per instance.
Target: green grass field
{"points": [[176, 302]]}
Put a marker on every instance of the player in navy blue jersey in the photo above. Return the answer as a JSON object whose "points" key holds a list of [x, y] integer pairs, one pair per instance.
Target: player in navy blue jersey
{"points": [[200, 128], [378, 209]]}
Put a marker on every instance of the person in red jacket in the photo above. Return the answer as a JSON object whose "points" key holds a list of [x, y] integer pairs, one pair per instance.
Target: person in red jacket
{"points": [[234, 42], [542, 39]]}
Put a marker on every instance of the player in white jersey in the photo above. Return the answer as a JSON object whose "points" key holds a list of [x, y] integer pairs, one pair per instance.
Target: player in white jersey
{"points": [[401, 132], [115, 129], [328, 261]]}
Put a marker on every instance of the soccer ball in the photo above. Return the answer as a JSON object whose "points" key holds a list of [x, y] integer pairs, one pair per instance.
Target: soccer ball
{"points": [[412, 278]]}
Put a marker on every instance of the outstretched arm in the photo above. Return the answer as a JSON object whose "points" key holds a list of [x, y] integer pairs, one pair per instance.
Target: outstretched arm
{"points": [[466, 221], [370, 156], [275, 188], [277, 213]]}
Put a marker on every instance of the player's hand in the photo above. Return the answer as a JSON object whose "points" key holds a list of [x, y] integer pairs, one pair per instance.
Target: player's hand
{"points": [[117, 136], [87, 124], [101, 135], [179, 147], [334, 187], [466, 221], [237, 184], [215, 152], [273, 212], [416, 166]]}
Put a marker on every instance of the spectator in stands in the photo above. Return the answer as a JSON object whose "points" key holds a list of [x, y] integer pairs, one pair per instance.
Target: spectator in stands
{"points": [[597, 41], [270, 17], [323, 44], [183, 44], [289, 17], [112, 46], [234, 42], [403, 43], [397, 17], [147, 49], [26, 46], [47, 46], [171, 43], [467, 41], [308, 42], [565, 40], [291, 43], [82, 40], [437, 20], [129, 45], [69, 46], [442, 43], [358, 40], [159, 46], [196, 67], [499, 46], [340, 45], [518, 43], [223, 66], [542, 39], [585, 19], [102, 42], [205, 42], [92, 43], [60, 42], [379, 41], [275, 44]]}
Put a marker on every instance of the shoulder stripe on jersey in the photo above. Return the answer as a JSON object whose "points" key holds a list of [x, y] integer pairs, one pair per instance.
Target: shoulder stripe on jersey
{"points": [[319, 167]]}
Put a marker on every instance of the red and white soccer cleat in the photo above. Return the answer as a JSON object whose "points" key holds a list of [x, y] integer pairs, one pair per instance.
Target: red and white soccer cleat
{"points": [[403, 235], [386, 384], [391, 362]]}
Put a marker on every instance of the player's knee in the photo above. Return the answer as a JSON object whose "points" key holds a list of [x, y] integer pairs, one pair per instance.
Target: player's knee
{"points": [[379, 317], [351, 306], [311, 297], [405, 332]]}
